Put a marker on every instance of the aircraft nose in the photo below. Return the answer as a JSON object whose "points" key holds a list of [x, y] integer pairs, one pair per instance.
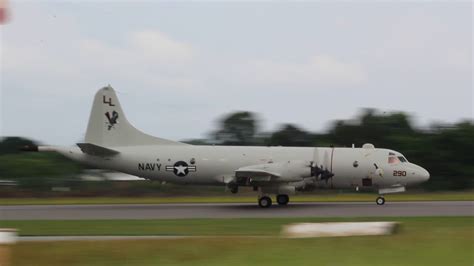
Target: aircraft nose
{"points": [[424, 175], [419, 174]]}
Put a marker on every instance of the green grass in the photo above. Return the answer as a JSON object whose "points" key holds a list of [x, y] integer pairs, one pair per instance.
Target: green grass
{"points": [[199, 227], [326, 197], [421, 241]]}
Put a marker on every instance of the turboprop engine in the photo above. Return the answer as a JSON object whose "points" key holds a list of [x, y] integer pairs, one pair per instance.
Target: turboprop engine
{"points": [[287, 171], [320, 167], [307, 184]]}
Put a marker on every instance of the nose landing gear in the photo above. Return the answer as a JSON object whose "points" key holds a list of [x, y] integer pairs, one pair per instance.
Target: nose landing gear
{"points": [[380, 200]]}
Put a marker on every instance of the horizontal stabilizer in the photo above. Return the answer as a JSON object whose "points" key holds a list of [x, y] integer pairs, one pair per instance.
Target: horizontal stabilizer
{"points": [[96, 150], [30, 148]]}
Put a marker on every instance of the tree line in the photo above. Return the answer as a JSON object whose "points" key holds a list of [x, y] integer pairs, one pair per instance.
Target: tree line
{"points": [[446, 150]]}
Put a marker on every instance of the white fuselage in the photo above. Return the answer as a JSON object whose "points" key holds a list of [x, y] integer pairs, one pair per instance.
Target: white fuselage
{"points": [[216, 165], [111, 142]]}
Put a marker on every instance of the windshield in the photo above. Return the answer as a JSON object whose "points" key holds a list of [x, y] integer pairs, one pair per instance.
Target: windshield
{"points": [[402, 159], [393, 158]]}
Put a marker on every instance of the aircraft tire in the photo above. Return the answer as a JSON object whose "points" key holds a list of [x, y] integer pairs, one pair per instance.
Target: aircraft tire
{"points": [[265, 202], [380, 201], [283, 199]]}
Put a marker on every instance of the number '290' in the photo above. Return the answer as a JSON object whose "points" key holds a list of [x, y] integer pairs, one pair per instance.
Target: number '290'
{"points": [[399, 173]]}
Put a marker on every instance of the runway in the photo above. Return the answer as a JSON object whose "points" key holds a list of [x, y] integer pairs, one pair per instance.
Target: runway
{"points": [[235, 210]]}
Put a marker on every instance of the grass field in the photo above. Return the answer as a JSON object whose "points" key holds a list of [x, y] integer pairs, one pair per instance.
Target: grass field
{"points": [[201, 227], [229, 198], [421, 241]]}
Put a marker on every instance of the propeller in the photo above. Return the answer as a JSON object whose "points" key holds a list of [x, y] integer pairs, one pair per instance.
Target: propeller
{"points": [[322, 172]]}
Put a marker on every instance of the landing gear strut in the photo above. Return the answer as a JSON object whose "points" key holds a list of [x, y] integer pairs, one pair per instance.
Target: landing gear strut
{"points": [[234, 188], [380, 200], [283, 199], [265, 202]]}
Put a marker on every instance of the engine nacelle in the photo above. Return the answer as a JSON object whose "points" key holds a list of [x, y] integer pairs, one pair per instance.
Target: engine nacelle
{"points": [[307, 184], [289, 171]]}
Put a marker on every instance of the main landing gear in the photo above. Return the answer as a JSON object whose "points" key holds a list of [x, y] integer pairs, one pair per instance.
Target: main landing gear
{"points": [[266, 201], [283, 199], [380, 200]]}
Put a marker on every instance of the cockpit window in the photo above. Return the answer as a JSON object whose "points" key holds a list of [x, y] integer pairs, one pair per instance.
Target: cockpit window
{"points": [[393, 159]]}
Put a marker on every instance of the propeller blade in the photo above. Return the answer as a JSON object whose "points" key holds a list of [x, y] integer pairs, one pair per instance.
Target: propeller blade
{"points": [[315, 157], [321, 171], [326, 175], [315, 170]]}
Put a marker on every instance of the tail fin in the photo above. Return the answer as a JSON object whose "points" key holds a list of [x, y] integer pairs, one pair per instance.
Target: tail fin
{"points": [[109, 127]]}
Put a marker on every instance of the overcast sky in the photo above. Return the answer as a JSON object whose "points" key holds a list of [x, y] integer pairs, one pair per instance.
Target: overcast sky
{"points": [[178, 67]]}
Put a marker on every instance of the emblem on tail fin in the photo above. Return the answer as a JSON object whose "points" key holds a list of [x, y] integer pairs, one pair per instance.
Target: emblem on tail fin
{"points": [[112, 119], [109, 102]]}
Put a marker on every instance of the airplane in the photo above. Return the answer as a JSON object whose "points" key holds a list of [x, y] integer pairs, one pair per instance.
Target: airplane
{"points": [[112, 143]]}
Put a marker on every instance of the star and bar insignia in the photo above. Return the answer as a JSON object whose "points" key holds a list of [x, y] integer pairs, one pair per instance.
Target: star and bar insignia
{"points": [[181, 168]]}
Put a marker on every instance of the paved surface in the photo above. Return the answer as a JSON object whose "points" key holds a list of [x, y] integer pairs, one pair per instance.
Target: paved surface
{"points": [[236, 210]]}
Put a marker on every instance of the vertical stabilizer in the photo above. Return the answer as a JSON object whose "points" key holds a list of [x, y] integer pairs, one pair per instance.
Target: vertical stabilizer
{"points": [[108, 125]]}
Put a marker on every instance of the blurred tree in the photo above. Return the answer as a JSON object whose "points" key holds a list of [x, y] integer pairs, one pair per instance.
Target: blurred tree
{"points": [[237, 128], [33, 169], [447, 153], [9, 145], [290, 135], [371, 127], [445, 150], [196, 141], [34, 164]]}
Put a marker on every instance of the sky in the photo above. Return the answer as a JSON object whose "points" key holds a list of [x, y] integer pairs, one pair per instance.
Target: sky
{"points": [[178, 67]]}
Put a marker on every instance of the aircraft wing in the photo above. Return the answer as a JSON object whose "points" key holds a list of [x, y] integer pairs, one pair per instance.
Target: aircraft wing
{"points": [[256, 173], [278, 171]]}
